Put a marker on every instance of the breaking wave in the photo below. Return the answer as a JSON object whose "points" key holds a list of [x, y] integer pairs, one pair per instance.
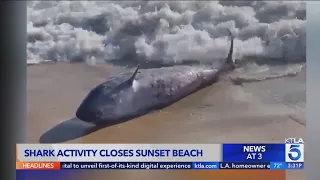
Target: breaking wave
{"points": [[164, 32]]}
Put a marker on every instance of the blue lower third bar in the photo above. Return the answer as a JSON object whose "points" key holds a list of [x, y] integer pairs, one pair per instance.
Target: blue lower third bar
{"points": [[295, 165], [165, 165]]}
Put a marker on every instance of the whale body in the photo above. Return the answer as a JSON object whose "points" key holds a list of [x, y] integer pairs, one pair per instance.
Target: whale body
{"points": [[132, 94]]}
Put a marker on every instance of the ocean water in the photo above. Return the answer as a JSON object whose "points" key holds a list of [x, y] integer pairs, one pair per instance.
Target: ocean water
{"points": [[168, 32]]}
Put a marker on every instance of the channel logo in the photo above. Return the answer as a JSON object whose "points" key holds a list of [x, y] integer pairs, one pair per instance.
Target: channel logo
{"points": [[294, 152]]}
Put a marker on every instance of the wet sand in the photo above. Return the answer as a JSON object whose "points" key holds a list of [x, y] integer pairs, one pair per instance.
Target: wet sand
{"points": [[266, 111]]}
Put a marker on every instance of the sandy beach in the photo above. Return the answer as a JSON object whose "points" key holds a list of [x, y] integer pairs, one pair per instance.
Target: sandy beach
{"points": [[267, 111]]}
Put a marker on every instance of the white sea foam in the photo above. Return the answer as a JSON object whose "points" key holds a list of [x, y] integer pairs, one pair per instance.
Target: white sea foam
{"points": [[164, 31]]}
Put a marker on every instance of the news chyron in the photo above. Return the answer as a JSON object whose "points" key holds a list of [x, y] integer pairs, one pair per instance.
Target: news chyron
{"points": [[294, 153]]}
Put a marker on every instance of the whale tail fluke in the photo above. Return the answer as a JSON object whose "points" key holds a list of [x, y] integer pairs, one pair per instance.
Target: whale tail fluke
{"points": [[229, 59]]}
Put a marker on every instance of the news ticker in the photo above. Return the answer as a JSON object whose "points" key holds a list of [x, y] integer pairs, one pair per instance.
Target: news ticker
{"points": [[160, 165]]}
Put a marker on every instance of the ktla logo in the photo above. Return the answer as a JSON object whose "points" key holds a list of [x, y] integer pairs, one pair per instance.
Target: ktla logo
{"points": [[294, 152]]}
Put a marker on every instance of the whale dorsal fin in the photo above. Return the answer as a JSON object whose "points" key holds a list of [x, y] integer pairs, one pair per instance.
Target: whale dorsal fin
{"points": [[134, 74], [229, 59]]}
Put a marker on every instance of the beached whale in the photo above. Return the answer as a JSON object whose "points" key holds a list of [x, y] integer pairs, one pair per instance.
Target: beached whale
{"points": [[132, 94]]}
